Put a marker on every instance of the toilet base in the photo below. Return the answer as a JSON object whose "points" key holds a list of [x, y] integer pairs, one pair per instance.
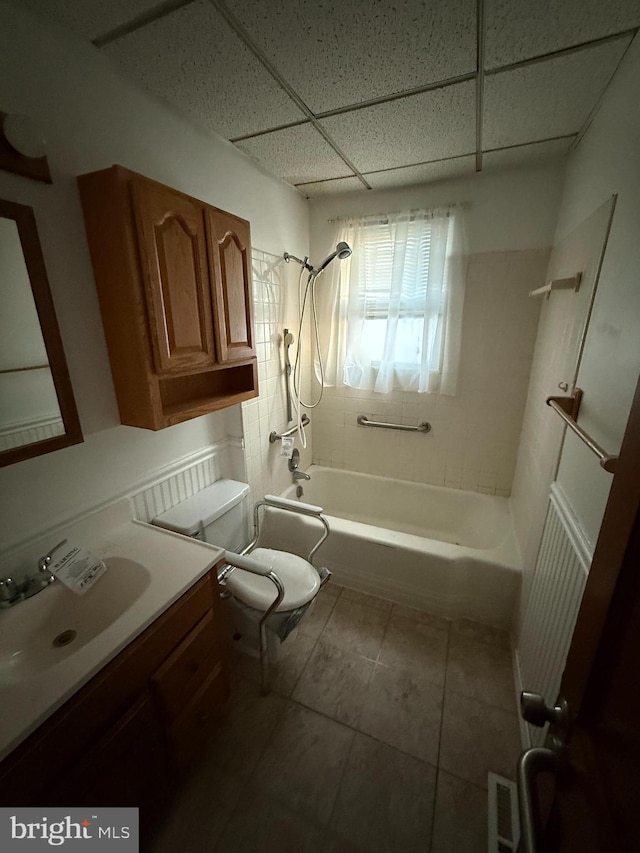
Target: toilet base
{"points": [[245, 630]]}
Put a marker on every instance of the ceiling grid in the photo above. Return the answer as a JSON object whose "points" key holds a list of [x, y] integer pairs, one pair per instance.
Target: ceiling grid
{"points": [[348, 94]]}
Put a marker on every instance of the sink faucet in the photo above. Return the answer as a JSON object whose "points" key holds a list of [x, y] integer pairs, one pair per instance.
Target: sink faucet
{"points": [[300, 475], [11, 592]]}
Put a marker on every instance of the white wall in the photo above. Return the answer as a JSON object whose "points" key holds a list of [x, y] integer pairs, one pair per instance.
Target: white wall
{"points": [[92, 117], [510, 210], [607, 161], [474, 439]]}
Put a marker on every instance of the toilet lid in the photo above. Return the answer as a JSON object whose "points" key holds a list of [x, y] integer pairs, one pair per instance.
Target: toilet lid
{"points": [[300, 580]]}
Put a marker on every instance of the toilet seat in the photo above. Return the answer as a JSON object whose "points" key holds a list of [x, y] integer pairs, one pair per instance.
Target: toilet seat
{"points": [[300, 580]]}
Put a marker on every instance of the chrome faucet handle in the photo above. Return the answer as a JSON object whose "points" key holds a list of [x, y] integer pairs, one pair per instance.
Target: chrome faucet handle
{"points": [[45, 562], [8, 589]]}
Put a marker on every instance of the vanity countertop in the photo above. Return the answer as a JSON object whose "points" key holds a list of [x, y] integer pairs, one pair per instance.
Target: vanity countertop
{"points": [[170, 565]]}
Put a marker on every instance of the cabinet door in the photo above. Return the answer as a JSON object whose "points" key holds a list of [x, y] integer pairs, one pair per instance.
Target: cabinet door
{"points": [[230, 248], [125, 767], [173, 255]]}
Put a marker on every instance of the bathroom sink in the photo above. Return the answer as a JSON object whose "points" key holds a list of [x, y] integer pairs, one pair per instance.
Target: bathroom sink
{"points": [[48, 628]]}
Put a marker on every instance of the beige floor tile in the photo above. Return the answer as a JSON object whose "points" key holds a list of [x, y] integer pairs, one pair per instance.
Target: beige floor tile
{"points": [[482, 633], [363, 598], [356, 628], [460, 820], [477, 738], [244, 730], [262, 824], [283, 675], [480, 670], [304, 761], [332, 588], [410, 644], [313, 624], [403, 708], [421, 616], [385, 801], [200, 813], [335, 683]]}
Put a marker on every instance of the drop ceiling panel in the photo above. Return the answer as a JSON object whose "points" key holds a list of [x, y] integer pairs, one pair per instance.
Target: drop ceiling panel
{"points": [[547, 99], [526, 155], [422, 174], [429, 126], [521, 29], [335, 53], [339, 185], [194, 60], [297, 154], [92, 18]]}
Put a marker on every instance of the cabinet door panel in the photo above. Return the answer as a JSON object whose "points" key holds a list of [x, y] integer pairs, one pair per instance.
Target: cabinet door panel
{"points": [[175, 269], [230, 246]]}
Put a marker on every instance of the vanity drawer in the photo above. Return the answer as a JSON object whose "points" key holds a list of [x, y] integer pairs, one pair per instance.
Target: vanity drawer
{"points": [[192, 728], [180, 676]]}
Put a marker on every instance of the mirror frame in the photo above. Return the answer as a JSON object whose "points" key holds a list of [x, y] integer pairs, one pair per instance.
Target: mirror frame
{"points": [[25, 221]]}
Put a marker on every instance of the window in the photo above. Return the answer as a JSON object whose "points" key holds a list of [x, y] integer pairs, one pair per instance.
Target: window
{"points": [[399, 301]]}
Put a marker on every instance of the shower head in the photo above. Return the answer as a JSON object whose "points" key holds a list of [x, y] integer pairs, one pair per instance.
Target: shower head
{"points": [[343, 250]]}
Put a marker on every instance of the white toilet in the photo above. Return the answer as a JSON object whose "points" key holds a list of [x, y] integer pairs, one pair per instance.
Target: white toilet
{"points": [[219, 515]]}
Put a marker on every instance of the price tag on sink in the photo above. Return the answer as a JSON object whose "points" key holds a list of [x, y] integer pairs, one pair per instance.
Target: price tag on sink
{"points": [[77, 568]]}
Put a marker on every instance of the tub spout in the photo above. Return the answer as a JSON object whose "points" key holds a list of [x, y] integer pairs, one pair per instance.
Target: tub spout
{"points": [[300, 475]]}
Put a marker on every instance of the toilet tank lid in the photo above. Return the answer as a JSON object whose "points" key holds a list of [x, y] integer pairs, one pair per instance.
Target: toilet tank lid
{"points": [[203, 508]]}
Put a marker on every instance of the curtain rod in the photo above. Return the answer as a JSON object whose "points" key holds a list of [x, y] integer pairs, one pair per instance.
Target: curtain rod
{"points": [[383, 220]]}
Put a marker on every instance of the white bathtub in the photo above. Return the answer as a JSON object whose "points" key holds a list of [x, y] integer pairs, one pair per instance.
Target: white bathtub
{"points": [[441, 550]]}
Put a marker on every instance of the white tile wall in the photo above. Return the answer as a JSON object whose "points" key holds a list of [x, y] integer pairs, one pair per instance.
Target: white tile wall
{"points": [[276, 308], [474, 439]]}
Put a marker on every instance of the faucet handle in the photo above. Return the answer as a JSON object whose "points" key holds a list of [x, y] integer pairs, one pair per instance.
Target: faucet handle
{"points": [[45, 562], [8, 589]]}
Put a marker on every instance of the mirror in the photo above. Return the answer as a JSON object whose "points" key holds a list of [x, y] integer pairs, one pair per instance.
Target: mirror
{"points": [[37, 409]]}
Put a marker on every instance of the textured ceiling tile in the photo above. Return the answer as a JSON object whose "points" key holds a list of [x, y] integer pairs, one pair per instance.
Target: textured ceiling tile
{"points": [[422, 174], [415, 129], [297, 155], [550, 98], [339, 185], [92, 18], [520, 29], [335, 53], [192, 59], [525, 155]]}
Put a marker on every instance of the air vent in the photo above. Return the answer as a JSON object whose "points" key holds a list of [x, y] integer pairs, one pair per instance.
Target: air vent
{"points": [[504, 820]]}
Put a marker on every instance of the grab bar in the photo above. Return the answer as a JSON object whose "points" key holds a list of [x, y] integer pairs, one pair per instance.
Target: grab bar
{"points": [[363, 420], [567, 408], [275, 436]]}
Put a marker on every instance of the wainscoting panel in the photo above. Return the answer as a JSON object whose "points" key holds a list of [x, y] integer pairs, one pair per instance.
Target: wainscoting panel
{"points": [[175, 486], [560, 577]]}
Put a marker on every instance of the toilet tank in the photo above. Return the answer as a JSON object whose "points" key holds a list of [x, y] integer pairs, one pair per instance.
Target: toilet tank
{"points": [[217, 514]]}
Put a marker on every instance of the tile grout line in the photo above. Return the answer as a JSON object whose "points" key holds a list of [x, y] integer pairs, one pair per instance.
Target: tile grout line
{"points": [[444, 692], [313, 648]]}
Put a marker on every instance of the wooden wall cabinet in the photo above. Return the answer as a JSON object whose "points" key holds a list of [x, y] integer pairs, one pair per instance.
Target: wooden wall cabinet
{"points": [[125, 737], [174, 283]]}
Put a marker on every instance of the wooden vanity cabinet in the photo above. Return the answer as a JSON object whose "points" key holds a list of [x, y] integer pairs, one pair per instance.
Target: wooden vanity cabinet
{"points": [[174, 283], [125, 737]]}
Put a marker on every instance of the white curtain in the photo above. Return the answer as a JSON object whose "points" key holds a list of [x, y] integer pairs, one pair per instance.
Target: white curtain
{"points": [[391, 314]]}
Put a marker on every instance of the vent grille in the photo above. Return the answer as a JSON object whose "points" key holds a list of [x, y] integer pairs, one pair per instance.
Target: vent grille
{"points": [[504, 820]]}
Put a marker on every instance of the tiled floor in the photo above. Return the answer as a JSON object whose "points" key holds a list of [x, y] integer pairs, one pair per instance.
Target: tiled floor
{"points": [[378, 735]]}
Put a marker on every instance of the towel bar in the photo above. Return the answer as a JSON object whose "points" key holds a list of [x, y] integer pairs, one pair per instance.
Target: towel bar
{"points": [[567, 408]]}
